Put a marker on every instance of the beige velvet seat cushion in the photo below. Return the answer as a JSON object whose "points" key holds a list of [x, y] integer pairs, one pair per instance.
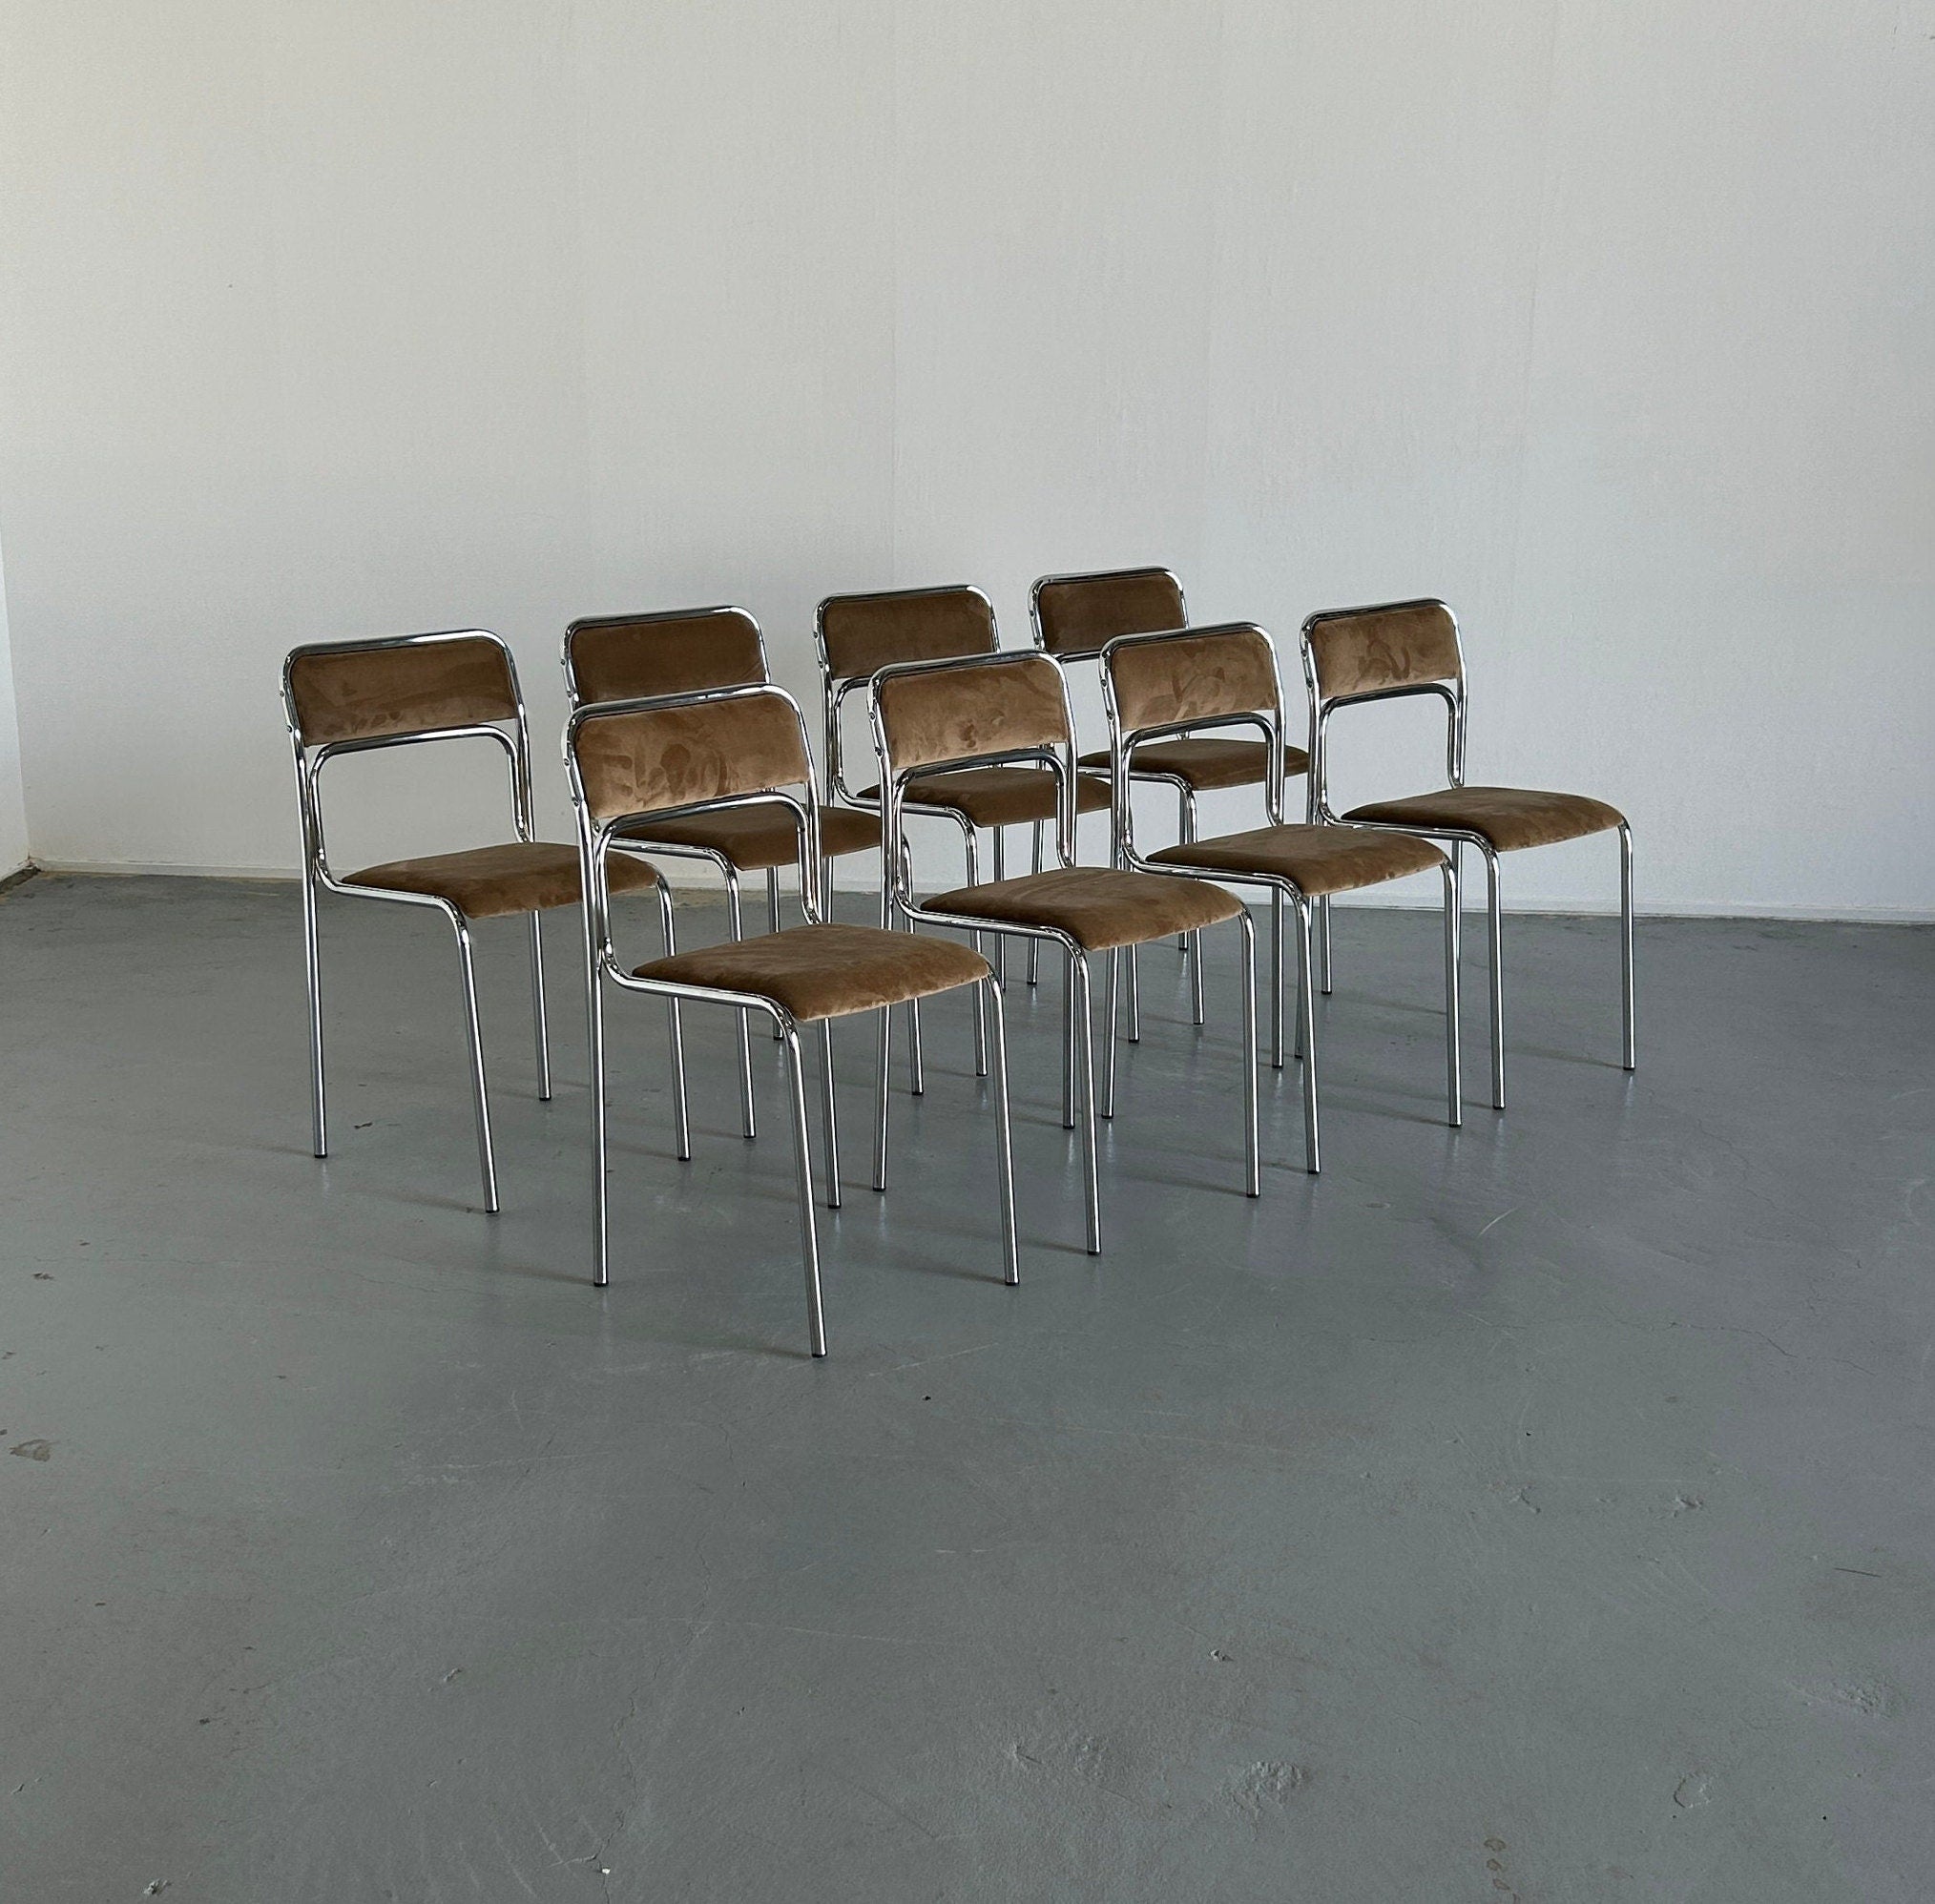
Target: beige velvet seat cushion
{"points": [[1315, 860], [1099, 908], [753, 838], [493, 881], [826, 972], [1000, 795], [1509, 818], [1207, 762]]}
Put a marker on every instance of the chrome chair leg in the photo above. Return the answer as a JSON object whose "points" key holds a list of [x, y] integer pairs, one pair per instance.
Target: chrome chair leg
{"points": [[1034, 945], [1629, 1049], [1495, 926], [1277, 977], [1454, 1083], [1253, 1170], [487, 1162], [312, 965], [882, 1098], [681, 1122], [999, 836], [1306, 1013], [735, 925], [1069, 1042], [537, 1009], [594, 1042], [803, 1172], [972, 849], [1086, 1065], [1323, 943], [829, 1113], [1185, 834], [917, 1081], [1194, 937], [1134, 986], [1109, 1034], [773, 913], [1004, 1143]]}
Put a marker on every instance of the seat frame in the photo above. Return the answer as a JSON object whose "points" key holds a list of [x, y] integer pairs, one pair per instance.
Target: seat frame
{"points": [[1454, 692], [514, 734], [1283, 892], [1079, 1065], [596, 840]]}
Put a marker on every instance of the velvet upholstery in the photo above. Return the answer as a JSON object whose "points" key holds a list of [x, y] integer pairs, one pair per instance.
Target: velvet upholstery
{"points": [[1402, 646], [932, 717], [826, 972], [1315, 860], [357, 692], [767, 834], [1206, 762], [1509, 818], [865, 633], [633, 660], [645, 759], [1000, 795], [1194, 676], [494, 882], [1078, 613], [1097, 907]]}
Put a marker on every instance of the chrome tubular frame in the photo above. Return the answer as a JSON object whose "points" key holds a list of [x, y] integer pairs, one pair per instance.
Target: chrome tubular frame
{"points": [[1455, 694], [596, 840], [1078, 1088], [1285, 893], [1188, 943], [316, 877]]}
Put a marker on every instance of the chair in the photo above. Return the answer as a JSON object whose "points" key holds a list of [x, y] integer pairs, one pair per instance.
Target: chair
{"points": [[687, 651], [351, 697], [1075, 617], [857, 635], [993, 714], [719, 752], [1354, 656], [1157, 685]]}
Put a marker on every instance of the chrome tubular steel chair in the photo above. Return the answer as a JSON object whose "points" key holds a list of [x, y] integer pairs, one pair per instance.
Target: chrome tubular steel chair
{"points": [[1010, 712], [857, 635], [693, 754], [1353, 657], [350, 696], [689, 651], [1157, 685], [1075, 617]]}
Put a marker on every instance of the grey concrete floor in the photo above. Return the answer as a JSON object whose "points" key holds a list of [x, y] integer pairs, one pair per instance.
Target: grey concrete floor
{"points": [[1540, 1512]]}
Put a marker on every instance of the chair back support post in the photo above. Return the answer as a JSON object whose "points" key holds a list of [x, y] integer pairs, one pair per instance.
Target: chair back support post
{"points": [[455, 684], [1191, 681], [857, 635], [1381, 651], [969, 711]]}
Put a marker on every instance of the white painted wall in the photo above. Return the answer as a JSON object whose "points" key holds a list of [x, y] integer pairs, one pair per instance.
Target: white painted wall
{"points": [[12, 798], [1609, 319]]}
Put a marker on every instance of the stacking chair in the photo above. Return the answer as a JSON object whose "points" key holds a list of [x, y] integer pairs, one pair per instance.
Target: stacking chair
{"points": [[1010, 712], [1157, 685], [857, 635], [1075, 617], [722, 752], [688, 650], [1353, 657], [350, 696]]}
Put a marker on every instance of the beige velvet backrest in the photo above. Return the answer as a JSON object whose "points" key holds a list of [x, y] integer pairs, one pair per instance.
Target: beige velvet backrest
{"points": [[647, 759], [929, 716], [635, 657], [1399, 645], [1200, 675], [861, 634], [367, 691], [1077, 614]]}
